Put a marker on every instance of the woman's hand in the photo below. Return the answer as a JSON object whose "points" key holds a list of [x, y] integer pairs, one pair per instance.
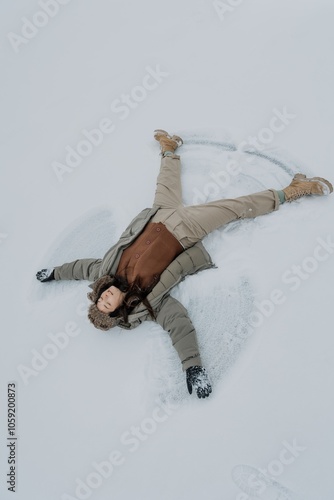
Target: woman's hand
{"points": [[45, 275], [197, 379]]}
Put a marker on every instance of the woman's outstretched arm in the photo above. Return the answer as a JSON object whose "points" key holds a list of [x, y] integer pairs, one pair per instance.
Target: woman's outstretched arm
{"points": [[174, 319], [81, 269]]}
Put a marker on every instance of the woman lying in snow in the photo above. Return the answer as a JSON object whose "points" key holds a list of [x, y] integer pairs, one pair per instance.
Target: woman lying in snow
{"points": [[161, 246]]}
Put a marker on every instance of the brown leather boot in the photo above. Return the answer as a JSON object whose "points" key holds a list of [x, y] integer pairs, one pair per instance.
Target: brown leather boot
{"points": [[167, 142], [303, 186]]}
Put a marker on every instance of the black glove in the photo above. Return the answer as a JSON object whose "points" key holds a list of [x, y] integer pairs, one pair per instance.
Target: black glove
{"points": [[46, 275], [197, 378]]}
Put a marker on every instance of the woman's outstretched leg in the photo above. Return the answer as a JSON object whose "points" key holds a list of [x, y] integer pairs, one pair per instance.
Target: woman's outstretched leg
{"points": [[168, 192], [168, 195], [195, 222], [191, 224]]}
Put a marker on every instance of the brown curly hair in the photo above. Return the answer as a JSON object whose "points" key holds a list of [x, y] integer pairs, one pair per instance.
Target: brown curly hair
{"points": [[134, 295]]}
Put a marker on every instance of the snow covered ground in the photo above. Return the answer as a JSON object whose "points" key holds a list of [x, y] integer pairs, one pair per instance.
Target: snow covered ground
{"points": [[107, 416]]}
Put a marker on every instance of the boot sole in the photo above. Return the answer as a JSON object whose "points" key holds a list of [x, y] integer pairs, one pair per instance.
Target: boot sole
{"points": [[326, 185], [328, 188], [178, 139], [158, 133]]}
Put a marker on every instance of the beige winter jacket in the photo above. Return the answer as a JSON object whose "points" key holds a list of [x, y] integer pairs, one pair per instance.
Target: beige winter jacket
{"points": [[170, 313]]}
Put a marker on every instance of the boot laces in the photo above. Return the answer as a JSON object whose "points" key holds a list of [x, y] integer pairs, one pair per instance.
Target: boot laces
{"points": [[299, 193]]}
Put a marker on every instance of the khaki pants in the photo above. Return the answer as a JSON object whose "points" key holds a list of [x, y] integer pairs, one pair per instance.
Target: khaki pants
{"points": [[191, 223]]}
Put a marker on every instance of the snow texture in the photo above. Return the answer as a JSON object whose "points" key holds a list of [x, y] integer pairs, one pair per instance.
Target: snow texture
{"points": [[108, 415]]}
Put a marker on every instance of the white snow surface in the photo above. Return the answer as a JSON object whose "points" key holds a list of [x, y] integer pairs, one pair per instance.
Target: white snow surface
{"points": [[108, 415]]}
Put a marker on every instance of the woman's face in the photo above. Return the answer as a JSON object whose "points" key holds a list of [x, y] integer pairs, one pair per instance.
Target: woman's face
{"points": [[110, 299]]}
